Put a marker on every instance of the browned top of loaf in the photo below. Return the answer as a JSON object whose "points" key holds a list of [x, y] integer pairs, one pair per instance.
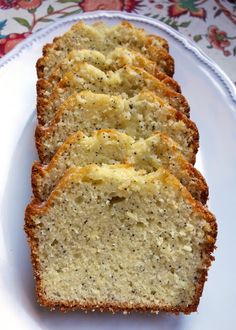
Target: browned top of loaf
{"points": [[100, 37]]}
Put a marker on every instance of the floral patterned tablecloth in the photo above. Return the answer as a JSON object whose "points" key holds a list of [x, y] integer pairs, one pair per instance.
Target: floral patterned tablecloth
{"points": [[209, 23]]}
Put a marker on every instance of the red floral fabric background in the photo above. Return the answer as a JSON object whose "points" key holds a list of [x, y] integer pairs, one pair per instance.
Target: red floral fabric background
{"points": [[209, 23]]}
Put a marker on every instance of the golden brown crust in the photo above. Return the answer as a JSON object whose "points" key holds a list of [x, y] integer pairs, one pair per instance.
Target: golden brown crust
{"points": [[152, 37], [42, 102], [35, 208], [202, 191], [168, 81], [158, 54], [163, 60], [36, 173], [40, 134], [40, 66], [195, 134]]}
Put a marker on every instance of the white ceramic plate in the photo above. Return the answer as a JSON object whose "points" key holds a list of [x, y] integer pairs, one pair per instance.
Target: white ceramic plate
{"points": [[212, 99]]}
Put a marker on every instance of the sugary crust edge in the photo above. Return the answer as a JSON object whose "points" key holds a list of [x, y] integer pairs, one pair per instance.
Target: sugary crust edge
{"points": [[166, 57], [42, 102], [203, 190], [191, 125], [33, 209], [50, 46], [41, 132], [170, 82], [40, 170], [37, 172]]}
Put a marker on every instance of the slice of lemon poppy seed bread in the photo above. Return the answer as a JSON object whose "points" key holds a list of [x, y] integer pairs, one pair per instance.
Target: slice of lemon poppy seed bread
{"points": [[112, 238]]}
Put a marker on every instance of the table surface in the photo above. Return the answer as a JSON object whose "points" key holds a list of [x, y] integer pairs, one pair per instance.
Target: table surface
{"points": [[211, 24]]}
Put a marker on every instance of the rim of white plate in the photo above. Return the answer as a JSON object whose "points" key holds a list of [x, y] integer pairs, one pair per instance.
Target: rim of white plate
{"points": [[188, 44]]}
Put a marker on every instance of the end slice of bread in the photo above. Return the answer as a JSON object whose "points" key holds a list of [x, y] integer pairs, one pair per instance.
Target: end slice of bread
{"points": [[112, 238], [104, 39], [139, 117], [127, 81], [111, 147]]}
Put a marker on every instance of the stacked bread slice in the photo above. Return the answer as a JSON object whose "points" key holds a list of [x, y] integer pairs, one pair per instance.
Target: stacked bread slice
{"points": [[118, 220]]}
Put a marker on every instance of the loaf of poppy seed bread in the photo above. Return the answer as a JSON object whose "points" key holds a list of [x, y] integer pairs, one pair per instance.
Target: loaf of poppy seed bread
{"points": [[113, 61], [112, 238], [111, 147], [139, 117], [104, 39], [127, 81]]}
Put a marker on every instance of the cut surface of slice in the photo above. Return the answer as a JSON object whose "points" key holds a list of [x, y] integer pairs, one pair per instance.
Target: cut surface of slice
{"points": [[139, 117], [113, 238], [104, 39], [111, 147]]}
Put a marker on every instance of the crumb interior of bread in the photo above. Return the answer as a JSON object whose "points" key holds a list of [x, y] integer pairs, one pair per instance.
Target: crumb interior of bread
{"points": [[138, 117], [122, 240]]}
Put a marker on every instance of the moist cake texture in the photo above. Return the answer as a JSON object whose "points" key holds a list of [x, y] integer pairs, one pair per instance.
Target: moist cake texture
{"points": [[113, 238]]}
